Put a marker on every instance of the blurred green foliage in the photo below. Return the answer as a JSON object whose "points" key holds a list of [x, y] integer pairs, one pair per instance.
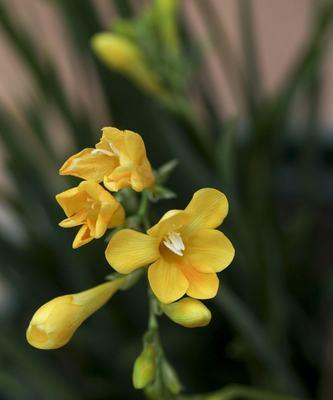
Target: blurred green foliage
{"points": [[270, 318]]}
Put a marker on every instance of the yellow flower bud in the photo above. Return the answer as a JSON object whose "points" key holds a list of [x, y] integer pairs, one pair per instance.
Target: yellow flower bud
{"points": [[54, 323], [144, 367], [122, 55], [188, 312]]}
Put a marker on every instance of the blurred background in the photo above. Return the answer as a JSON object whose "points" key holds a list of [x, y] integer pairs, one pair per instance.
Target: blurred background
{"points": [[241, 93]]}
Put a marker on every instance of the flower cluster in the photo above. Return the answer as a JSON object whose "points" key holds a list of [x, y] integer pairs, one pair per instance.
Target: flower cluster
{"points": [[183, 250]]}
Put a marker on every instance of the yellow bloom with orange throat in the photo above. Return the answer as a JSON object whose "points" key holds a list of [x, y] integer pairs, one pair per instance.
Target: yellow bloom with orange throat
{"points": [[54, 323], [184, 250], [93, 208], [118, 160]]}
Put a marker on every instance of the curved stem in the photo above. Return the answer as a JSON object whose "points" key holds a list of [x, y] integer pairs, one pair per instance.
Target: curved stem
{"points": [[239, 392]]}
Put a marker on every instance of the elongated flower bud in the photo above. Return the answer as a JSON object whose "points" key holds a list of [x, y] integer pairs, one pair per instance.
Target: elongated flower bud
{"points": [[144, 367], [124, 56], [54, 323], [188, 312]]}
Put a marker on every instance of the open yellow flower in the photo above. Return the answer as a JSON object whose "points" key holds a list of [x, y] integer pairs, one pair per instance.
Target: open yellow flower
{"points": [[91, 206], [119, 160], [54, 323], [183, 248]]}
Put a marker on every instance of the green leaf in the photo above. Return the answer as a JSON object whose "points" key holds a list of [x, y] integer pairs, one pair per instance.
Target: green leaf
{"points": [[164, 172]]}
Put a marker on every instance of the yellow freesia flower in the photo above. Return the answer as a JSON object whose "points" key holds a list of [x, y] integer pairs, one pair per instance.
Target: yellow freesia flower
{"points": [[119, 160], [54, 323], [91, 206], [183, 248]]}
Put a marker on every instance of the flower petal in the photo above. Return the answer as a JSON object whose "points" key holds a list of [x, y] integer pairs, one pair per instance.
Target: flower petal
{"points": [[90, 164], [209, 250], [111, 214], [71, 201], [118, 217], [208, 208], [167, 281], [74, 220], [172, 221], [82, 237], [119, 179], [93, 190], [129, 250], [201, 285], [142, 177], [134, 146]]}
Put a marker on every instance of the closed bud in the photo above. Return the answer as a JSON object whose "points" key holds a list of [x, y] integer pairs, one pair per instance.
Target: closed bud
{"points": [[144, 367], [124, 56], [54, 323], [188, 312]]}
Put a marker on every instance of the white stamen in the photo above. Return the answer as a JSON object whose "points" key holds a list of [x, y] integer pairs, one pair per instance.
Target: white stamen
{"points": [[174, 242]]}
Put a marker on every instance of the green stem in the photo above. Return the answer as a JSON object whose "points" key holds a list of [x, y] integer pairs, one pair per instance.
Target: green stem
{"points": [[166, 385], [153, 306], [238, 392], [143, 210]]}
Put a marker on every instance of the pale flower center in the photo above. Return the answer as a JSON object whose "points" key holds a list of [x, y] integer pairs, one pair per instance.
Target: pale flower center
{"points": [[174, 242]]}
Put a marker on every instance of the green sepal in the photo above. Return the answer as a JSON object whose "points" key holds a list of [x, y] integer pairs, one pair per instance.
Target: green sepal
{"points": [[161, 193], [163, 173]]}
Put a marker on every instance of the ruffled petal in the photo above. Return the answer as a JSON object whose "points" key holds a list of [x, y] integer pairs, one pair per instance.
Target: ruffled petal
{"points": [[129, 250], [209, 250], [201, 285], [167, 281], [90, 164], [208, 208]]}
